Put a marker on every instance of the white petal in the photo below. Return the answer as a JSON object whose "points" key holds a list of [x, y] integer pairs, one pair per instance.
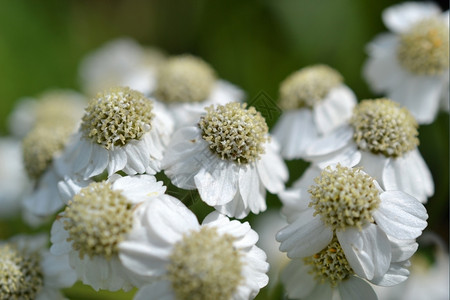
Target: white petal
{"points": [[402, 249], [396, 274], [139, 188], [83, 155], [159, 290], [400, 17], [368, 251], [409, 174], [321, 291], [374, 165], [97, 163], [271, 168], [217, 183], [59, 238], [305, 237], [236, 208], [296, 279], [249, 189], [355, 288], [117, 160], [334, 110], [400, 215], [330, 143]]}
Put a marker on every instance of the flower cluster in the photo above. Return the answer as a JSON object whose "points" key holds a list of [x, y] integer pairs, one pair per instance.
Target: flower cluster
{"points": [[111, 170]]}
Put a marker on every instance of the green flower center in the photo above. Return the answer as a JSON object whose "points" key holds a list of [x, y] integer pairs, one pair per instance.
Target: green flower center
{"points": [[330, 264], [59, 106], [234, 132], [184, 79], [97, 219], [42, 143], [424, 49], [344, 197], [205, 265], [117, 116], [307, 86], [21, 275], [381, 126]]}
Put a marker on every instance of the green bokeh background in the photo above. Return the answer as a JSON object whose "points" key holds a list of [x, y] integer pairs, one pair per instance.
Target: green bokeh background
{"points": [[254, 44]]}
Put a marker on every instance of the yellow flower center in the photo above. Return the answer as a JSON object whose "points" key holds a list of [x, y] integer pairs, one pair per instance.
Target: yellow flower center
{"points": [[21, 275], [205, 265], [344, 197], [307, 86], [184, 79], [381, 126], [117, 116], [234, 132], [97, 219], [424, 48]]}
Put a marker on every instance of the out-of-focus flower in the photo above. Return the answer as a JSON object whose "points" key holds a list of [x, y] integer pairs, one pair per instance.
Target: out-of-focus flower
{"points": [[121, 62], [350, 204], [95, 221], [229, 157], [428, 278], [382, 139], [177, 258], [187, 84], [29, 271], [14, 183], [122, 130], [411, 64], [315, 102]]}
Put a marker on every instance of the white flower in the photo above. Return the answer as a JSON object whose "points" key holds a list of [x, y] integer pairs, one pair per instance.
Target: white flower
{"points": [[177, 257], [29, 271], [95, 221], [187, 84], [120, 131], [121, 62], [411, 64], [315, 102], [328, 274], [54, 105], [13, 178], [428, 280], [382, 139], [349, 204], [229, 158]]}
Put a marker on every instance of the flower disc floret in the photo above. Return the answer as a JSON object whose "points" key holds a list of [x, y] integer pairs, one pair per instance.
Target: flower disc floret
{"points": [[117, 116], [205, 265], [307, 86], [97, 219], [21, 275], [234, 132], [184, 79], [381, 126], [41, 144], [344, 197], [330, 264], [424, 48]]}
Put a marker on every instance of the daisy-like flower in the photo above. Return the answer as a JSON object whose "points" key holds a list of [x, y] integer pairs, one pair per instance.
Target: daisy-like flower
{"points": [[29, 271], [229, 157], [187, 84], [121, 131], [348, 203], [52, 106], [411, 64], [177, 258], [315, 102], [95, 221], [121, 62], [382, 139], [328, 272]]}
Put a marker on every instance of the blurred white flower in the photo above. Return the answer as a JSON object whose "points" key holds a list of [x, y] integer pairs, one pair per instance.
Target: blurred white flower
{"points": [[95, 221], [121, 62], [229, 157], [177, 258], [14, 183], [186, 85], [382, 139], [315, 102], [349, 204], [411, 64], [29, 271], [122, 130]]}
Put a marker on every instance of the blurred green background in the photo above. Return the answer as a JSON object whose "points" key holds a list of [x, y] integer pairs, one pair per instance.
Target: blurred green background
{"points": [[254, 44]]}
